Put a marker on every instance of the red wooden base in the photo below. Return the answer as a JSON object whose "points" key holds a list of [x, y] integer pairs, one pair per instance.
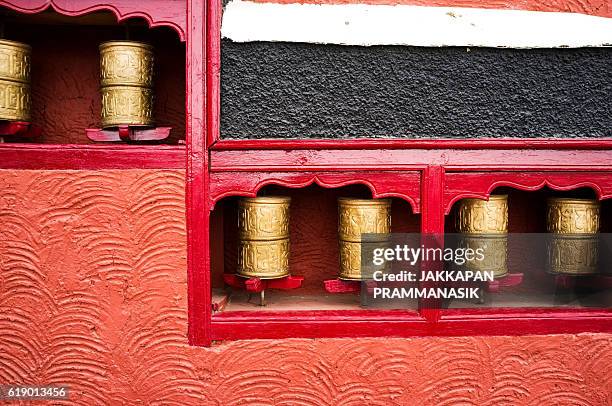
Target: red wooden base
{"points": [[18, 129], [511, 279], [257, 285], [128, 133], [342, 286], [345, 286]]}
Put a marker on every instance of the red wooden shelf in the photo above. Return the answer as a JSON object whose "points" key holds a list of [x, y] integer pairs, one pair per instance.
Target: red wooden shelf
{"points": [[402, 323], [84, 156]]}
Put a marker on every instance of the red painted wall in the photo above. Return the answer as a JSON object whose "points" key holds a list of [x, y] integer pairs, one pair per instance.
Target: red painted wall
{"points": [[595, 7], [93, 293]]}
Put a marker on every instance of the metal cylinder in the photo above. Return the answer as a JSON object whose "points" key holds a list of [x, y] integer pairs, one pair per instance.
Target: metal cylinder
{"points": [[574, 245], [477, 216], [263, 227], [572, 216], [15, 101], [357, 217], [484, 225], [126, 72], [495, 253]]}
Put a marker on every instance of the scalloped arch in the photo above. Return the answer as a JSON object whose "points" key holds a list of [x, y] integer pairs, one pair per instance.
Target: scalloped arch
{"points": [[520, 186], [158, 14], [315, 179]]}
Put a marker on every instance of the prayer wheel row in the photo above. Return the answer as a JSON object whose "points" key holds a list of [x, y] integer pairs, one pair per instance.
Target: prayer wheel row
{"points": [[263, 224], [126, 71], [573, 224]]}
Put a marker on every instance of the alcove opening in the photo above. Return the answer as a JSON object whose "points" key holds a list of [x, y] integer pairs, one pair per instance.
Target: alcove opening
{"points": [[528, 248], [65, 71], [314, 249]]}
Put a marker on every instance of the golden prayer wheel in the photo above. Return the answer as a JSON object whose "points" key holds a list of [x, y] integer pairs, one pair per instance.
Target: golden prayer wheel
{"points": [[572, 216], [574, 246], [484, 225], [357, 217], [126, 71], [15, 101], [477, 216], [494, 249], [263, 227]]}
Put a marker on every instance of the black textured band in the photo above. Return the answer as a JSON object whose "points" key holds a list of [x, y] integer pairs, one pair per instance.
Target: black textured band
{"points": [[294, 90]]}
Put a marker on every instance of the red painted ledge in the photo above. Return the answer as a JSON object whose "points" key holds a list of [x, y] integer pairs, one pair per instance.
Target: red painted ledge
{"points": [[91, 157], [364, 323], [437, 143]]}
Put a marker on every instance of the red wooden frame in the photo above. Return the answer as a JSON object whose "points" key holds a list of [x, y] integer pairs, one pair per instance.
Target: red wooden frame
{"points": [[430, 174], [435, 173]]}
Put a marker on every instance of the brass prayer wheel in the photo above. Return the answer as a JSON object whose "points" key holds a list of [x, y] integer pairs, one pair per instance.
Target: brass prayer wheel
{"points": [[357, 217], [477, 216], [494, 249], [574, 246], [363, 216], [126, 72], [15, 101], [484, 225], [351, 253], [573, 255], [263, 228], [572, 216]]}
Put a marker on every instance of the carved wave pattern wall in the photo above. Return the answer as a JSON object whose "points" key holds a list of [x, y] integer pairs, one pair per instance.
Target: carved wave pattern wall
{"points": [[93, 294]]}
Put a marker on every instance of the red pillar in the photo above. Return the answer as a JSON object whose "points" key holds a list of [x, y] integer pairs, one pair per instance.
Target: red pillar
{"points": [[432, 229]]}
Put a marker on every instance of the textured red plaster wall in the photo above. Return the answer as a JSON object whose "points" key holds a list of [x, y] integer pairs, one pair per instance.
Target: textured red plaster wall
{"points": [[601, 8], [93, 294]]}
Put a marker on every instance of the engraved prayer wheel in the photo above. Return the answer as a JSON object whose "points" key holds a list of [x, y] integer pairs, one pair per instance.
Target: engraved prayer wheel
{"points": [[126, 72], [477, 216], [574, 246], [15, 101], [357, 217], [495, 253], [263, 227], [572, 216], [484, 225]]}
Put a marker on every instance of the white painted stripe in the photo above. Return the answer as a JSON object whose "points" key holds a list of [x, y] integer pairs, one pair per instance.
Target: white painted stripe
{"points": [[360, 24]]}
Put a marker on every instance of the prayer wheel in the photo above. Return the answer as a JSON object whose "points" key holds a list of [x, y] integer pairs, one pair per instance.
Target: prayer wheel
{"points": [[574, 246], [126, 70], [263, 226], [484, 225], [357, 217], [15, 101]]}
